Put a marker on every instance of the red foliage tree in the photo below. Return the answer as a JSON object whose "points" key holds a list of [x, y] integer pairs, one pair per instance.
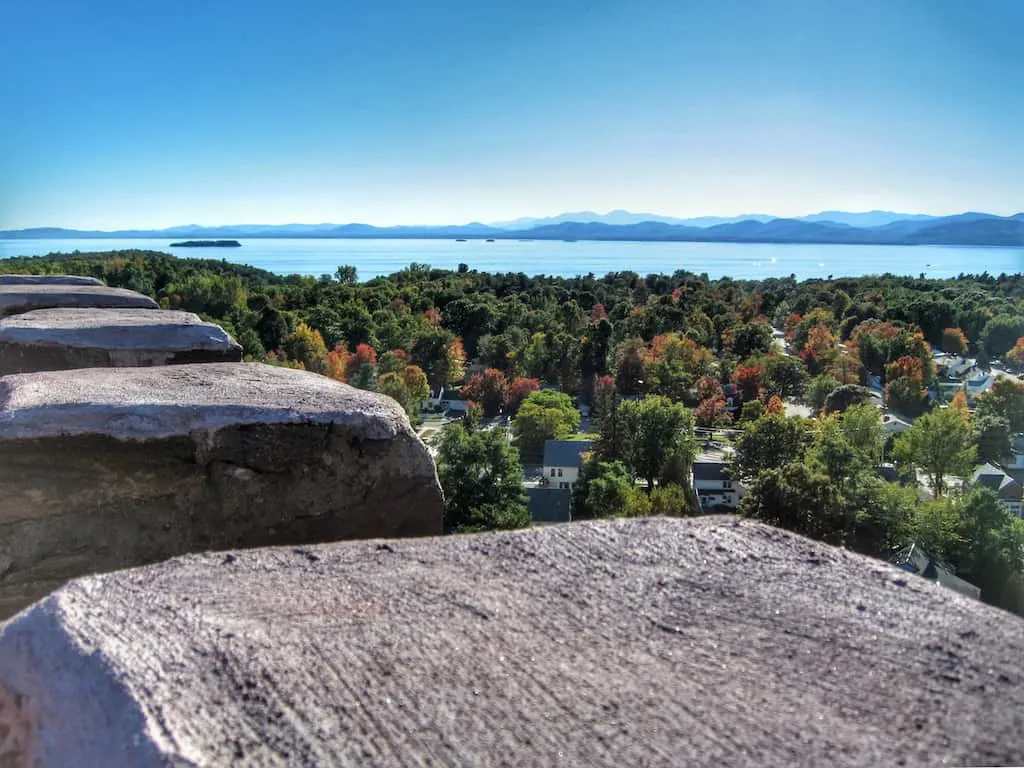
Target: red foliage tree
{"points": [[712, 413], [518, 390], [747, 380], [364, 355], [488, 389], [709, 387]]}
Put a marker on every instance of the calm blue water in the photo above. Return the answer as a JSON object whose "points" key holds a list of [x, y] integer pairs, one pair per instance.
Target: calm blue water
{"points": [[739, 260]]}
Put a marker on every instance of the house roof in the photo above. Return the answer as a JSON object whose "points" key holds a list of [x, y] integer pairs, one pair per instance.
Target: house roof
{"points": [[549, 505], [917, 560], [710, 470], [892, 418], [565, 453], [991, 476]]}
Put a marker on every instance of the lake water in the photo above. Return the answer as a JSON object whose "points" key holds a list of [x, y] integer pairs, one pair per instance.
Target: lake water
{"points": [[739, 260]]}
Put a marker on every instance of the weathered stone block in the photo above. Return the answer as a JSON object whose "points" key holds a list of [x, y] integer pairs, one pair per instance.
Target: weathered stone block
{"points": [[48, 280], [59, 339], [15, 299], [623, 643], [108, 468]]}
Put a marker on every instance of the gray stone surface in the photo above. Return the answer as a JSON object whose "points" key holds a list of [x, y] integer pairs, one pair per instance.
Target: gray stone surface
{"points": [[15, 299], [622, 643], [59, 339], [48, 280], [107, 468]]}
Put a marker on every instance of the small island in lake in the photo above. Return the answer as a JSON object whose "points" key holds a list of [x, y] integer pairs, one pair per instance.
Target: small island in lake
{"points": [[207, 244]]}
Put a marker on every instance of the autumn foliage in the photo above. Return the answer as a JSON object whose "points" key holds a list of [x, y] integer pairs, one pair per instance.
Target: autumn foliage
{"points": [[748, 381], [518, 390]]}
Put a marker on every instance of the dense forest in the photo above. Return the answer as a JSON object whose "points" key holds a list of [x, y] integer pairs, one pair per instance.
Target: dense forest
{"points": [[658, 357]]}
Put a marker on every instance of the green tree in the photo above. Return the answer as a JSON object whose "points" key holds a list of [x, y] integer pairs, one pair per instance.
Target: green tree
{"points": [[784, 376], [482, 480], [544, 415], [800, 499], [603, 489], [1004, 399], [863, 427], [941, 444], [771, 442], [818, 390], [992, 436], [752, 410], [990, 551], [1001, 333], [935, 526], [832, 452], [659, 429], [841, 398], [750, 339], [346, 275], [612, 442]]}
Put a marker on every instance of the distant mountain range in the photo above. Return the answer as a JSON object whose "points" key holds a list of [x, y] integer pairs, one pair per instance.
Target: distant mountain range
{"points": [[867, 219], [873, 227]]}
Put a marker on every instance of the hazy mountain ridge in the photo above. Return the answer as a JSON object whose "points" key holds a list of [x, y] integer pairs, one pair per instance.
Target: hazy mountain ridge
{"points": [[970, 228]]}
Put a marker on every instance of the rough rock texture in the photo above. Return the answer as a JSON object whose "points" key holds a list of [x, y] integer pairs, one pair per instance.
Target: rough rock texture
{"points": [[48, 280], [15, 299], [59, 339], [623, 643], [104, 469]]}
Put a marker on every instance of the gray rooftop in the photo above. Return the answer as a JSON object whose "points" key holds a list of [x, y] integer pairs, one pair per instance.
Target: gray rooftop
{"points": [[549, 505], [565, 453], [991, 476], [710, 470]]}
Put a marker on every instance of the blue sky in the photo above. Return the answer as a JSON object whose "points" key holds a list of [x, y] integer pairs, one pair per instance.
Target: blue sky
{"points": [[129, 113]]}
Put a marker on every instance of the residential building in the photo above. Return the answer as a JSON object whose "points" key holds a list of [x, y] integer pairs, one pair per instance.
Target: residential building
{"points": [[1008, 489], [954, 366], [1015, 461], [894, 424], [562, 460], [714, 487], [914, 559], [549, 505]]}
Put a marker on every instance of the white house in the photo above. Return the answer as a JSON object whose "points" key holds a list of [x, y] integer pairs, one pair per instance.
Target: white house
{"points": [[562, 460], [1015, 461], [714, 487], [1009, 490], [894, 424]]}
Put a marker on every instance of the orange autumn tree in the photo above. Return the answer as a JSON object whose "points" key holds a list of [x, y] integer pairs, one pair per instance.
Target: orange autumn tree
{"points": [[905, 388], [959, 401], [774, 405], [954, 342], [337, 362], [1016, 355], [306, 345], [674, 364], [846, 367]]}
